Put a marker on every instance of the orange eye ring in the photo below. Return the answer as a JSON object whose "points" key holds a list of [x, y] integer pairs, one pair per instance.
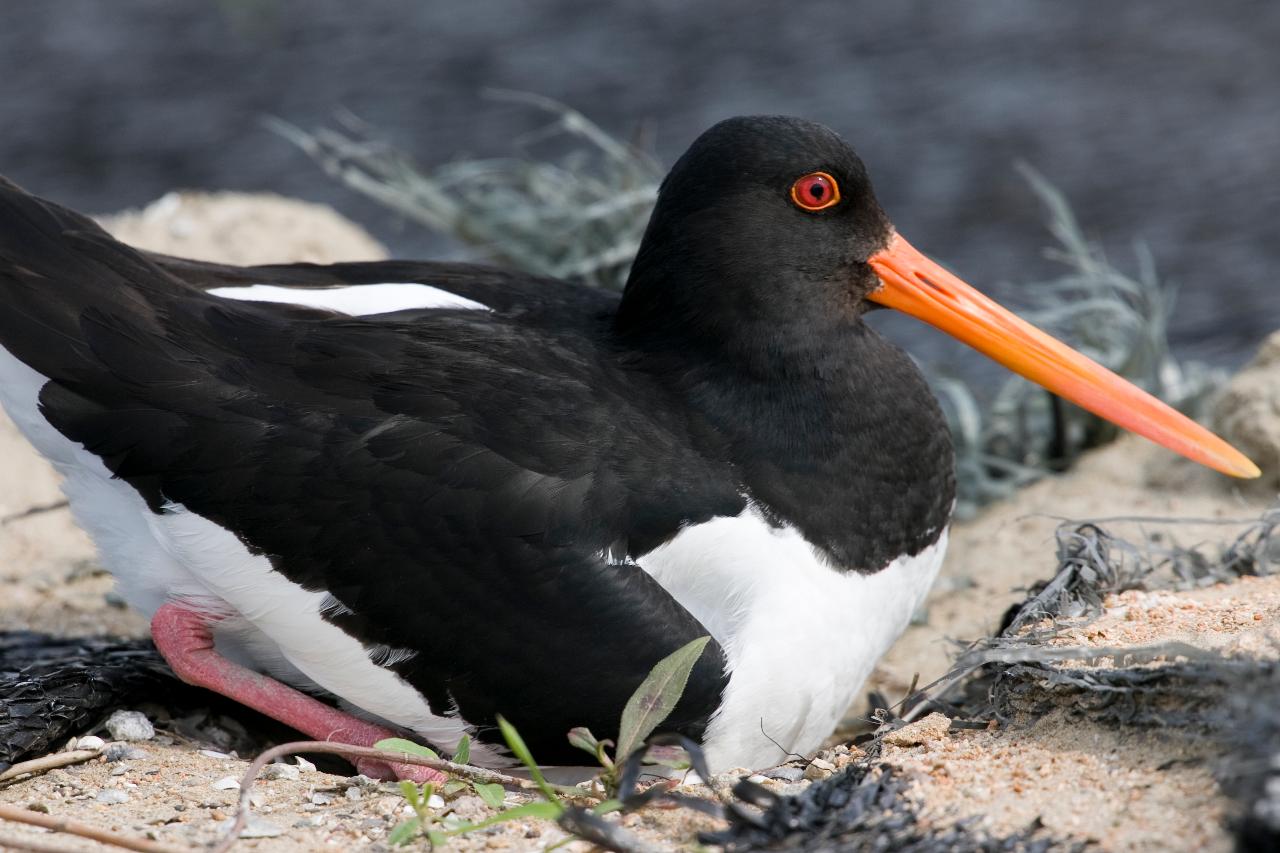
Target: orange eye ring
{"points": [[815, 191]]}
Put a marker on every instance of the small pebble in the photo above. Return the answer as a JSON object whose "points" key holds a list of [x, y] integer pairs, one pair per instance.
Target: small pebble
{"points": [[785, 773], [213, 753], [353, 793], [304, 765], [255, 827], [435, 801], [120, 769], [728, 778], [90, 742], [819, 769], [931, 728], [125, 752], [319, 798], [111, 796], [226, 783], [129, 726], [281, 771], [38, 807]]}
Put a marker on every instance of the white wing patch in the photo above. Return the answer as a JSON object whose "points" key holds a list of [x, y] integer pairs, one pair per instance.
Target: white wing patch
{"points": [[357, 300]]}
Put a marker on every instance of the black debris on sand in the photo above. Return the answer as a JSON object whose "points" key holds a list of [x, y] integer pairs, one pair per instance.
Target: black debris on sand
{"points": [[52, 688], [860, 808]]}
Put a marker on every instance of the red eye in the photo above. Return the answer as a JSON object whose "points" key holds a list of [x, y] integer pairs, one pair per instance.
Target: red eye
{"points": [[815, 191]]}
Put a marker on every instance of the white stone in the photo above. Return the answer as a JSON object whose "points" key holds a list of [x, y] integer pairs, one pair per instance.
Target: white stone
{"points": [[281, 771], [130, 726]]}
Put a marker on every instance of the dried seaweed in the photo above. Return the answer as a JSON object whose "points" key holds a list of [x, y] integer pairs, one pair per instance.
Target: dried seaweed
{"points": [[861, 808], [51, 688], [1234, 699], [1093, 563], [1249, 722], [1169, 689]]}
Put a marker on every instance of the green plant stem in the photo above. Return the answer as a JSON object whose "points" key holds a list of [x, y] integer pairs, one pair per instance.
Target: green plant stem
{"points": [[466, 771]]}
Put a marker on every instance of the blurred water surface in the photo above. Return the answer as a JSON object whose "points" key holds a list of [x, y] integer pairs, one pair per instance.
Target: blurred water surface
{"points": [[1159, 119]]}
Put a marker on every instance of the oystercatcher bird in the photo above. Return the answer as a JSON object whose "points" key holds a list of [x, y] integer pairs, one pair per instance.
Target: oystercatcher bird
{"points": [[439, 492]]}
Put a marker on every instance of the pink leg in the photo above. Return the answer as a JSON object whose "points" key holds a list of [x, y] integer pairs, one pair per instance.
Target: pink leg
{"points": [[184, 639]]}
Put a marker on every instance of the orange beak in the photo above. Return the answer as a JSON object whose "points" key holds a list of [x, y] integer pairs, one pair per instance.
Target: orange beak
{"points": [[915, 285]]}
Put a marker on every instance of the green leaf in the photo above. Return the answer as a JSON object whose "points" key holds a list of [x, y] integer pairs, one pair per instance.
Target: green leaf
{"points": [[541, 809], [452, 787], [583, 739], [462, 754], [668, 756], [606, 806], [521, 750], [399, 744], [405, 831], [656, 697], [437, 838], [411, 794], [493, 794]]}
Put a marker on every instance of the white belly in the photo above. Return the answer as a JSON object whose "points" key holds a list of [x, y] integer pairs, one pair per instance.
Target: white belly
{"points": [[800, 636]]}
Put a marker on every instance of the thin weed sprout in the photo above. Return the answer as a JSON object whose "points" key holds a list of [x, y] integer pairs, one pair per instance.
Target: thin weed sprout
{"points": [[613, 789]]}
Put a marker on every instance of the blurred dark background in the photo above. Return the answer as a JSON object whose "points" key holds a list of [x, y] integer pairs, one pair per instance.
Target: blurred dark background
{"points": [[1160, 120]]}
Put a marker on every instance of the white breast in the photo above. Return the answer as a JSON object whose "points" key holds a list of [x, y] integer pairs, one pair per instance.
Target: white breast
{"points": [[356, 300], [800, 637]]}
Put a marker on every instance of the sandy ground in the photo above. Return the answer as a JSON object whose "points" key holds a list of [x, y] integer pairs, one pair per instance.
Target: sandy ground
{"points": [[1143, 790], [1126, 788], [1010, 545]]}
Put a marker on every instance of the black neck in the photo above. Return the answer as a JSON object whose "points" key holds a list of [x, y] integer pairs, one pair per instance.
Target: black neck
{"points": [[835, 433]]}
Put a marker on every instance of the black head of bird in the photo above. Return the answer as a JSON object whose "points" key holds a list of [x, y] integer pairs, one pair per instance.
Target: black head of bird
{"points": [[767, 237]]}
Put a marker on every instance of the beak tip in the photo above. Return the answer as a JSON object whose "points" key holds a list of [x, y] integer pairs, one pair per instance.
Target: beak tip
{"points": [[1237, 465], [1249, 471]]}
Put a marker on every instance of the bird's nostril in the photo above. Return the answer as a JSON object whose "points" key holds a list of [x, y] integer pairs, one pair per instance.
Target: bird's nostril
{"points": [[924, 279]]}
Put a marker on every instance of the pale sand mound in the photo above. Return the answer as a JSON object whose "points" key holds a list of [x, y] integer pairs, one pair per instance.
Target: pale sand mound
{"points": [[1011, 545], [1248, 412], [245, 229], [1140, 789]]}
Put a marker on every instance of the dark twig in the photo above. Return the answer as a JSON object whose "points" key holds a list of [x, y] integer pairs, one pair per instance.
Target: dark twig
{"points": [[40, 509]]}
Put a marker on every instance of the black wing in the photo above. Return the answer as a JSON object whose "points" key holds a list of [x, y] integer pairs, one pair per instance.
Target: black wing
{"points": [[452, 480]]}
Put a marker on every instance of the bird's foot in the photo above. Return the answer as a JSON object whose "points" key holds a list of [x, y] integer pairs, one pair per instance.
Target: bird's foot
{"points": [[184, 640]]}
